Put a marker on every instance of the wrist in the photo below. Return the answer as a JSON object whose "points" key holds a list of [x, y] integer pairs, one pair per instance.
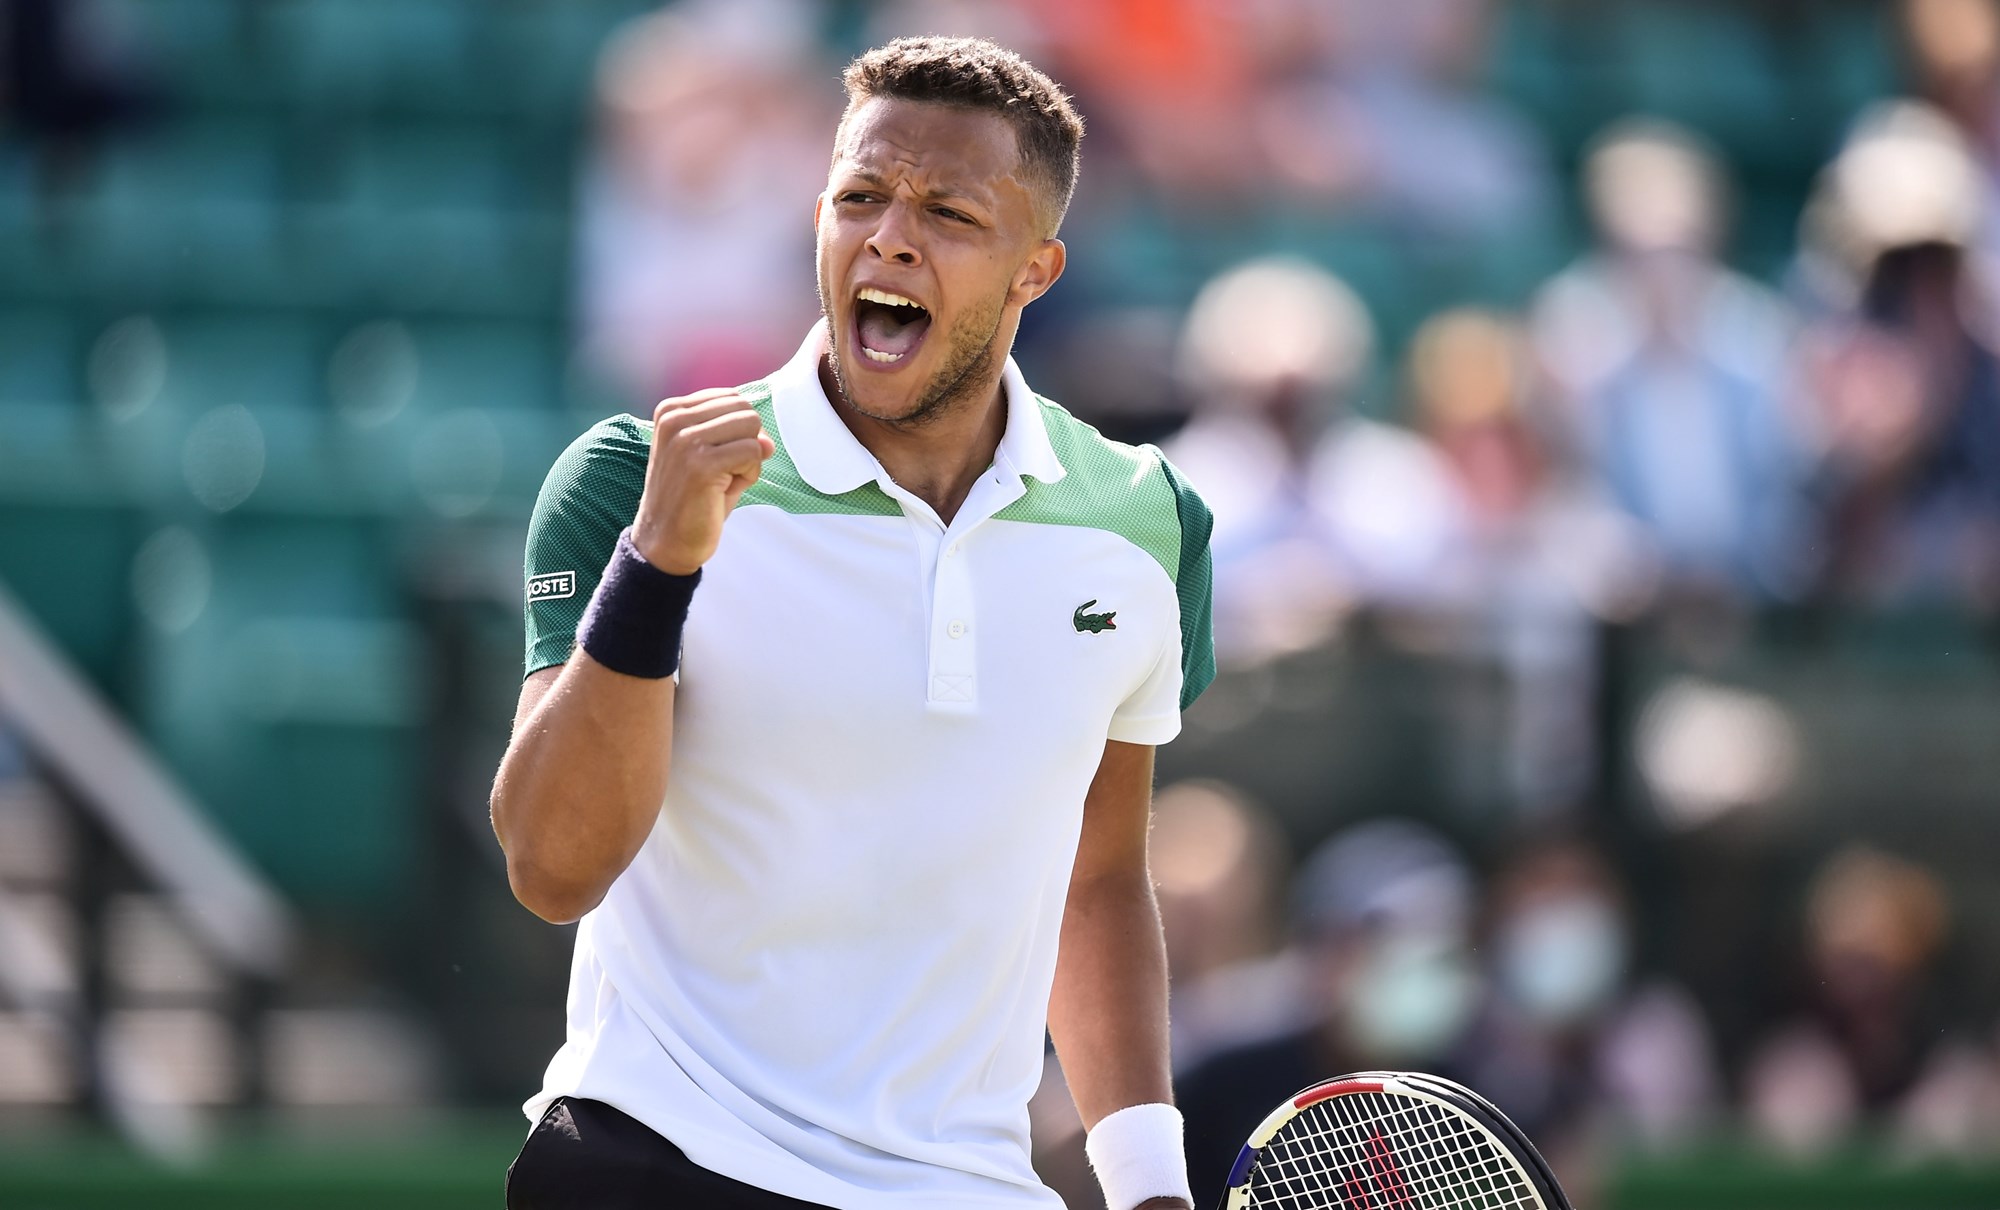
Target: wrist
{"points": [[670, 565], [634, 620], [1137, 1155], [662, 554]]}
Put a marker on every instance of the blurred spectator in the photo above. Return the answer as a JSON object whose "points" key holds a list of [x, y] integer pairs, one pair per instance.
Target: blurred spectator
{"points": [[1011, 23], [1382, 912], [1467, 374], [696, 240], [1365, 107], [1863, 1037], [1954, 48], [69, 71], [1114, 367], [1165, 84], [1539, 556], [1955, 1108], [1905, 374], [1375, 106], [1218, 862], [1571, 1044], [1673, 371], [1314, 507]]}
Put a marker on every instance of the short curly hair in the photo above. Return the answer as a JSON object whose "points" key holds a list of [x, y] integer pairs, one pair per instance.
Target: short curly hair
{"points": [[973, 73]]}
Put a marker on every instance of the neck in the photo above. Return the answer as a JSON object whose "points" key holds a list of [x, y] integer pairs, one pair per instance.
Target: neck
{"points": [[940, 459]]}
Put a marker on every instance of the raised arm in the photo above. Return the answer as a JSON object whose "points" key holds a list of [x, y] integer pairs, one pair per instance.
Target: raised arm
{"points": [[586, 769]]}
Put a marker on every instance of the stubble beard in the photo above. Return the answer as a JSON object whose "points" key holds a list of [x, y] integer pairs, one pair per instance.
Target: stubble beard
{"points": [[974, 348]]}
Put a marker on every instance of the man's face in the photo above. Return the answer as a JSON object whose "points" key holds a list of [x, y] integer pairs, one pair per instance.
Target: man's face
{"points": [[926, 205]]}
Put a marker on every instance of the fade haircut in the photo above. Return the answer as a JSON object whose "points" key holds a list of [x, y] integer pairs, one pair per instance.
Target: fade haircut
{"points": [[973, 73]]}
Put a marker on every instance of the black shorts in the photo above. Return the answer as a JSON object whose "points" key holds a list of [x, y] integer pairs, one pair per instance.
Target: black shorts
{"points": [[585, 1155]]}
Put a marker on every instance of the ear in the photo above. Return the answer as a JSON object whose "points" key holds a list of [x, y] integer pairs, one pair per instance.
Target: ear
{"points": [[1039, 273], [819, 207]]}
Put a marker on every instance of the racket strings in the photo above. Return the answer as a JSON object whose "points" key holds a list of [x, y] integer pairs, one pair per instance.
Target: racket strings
{"points": [[1377, 1151]]}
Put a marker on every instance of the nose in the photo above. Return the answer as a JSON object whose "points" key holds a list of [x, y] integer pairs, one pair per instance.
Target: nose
{"points": [[892, 239]]}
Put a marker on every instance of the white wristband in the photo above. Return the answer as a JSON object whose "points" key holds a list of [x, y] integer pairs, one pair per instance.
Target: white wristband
{"points": [[1137, 1156]]}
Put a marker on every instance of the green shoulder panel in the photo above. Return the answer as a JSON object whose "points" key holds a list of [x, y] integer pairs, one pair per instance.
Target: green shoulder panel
{"points": [[1108, 486], [1195, 585], [1133, 491], [779, 484], [591, 493]]}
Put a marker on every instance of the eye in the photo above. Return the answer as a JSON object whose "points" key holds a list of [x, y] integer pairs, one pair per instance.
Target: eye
{"points": [[854, 195], [948, 213]]}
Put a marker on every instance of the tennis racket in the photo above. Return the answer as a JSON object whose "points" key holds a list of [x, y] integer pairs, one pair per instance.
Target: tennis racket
{"points": [[1390, 1140]]}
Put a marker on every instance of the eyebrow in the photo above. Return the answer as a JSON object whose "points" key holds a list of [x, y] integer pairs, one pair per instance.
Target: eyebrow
{"points": [[869, 177]]}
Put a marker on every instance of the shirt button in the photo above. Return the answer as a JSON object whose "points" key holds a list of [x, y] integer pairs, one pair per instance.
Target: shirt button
{"points": [[951, 550], [956, 630]]}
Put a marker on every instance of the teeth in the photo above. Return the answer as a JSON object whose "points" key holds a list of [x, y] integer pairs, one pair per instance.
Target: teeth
{"points": [[874, 356], [871, 294]]}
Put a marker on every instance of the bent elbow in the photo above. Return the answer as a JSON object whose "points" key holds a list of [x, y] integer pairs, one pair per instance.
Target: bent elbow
{"points": [[556, 900]]}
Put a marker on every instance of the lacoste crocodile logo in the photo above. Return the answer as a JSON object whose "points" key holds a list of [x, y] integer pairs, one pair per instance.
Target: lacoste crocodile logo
{"points": [[1093, 623]]}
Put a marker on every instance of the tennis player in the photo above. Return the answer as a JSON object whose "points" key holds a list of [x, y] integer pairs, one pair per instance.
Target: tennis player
{"points": [[837, 734]]}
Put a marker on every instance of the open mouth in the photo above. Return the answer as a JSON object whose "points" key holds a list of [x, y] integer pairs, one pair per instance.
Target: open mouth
{"points": [[888, 327]]}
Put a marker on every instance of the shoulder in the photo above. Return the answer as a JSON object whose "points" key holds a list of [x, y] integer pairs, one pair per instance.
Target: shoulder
{"points": [[1132, 490], [1108, 468], [604, 469], [1143, 472], [613, 441]]}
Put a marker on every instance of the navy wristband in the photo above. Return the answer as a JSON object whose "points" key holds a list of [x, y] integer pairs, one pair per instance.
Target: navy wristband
{"points": [[634, 620]]}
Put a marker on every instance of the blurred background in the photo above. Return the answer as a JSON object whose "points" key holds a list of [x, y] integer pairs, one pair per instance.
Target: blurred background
{"points": [[1599, 403]]}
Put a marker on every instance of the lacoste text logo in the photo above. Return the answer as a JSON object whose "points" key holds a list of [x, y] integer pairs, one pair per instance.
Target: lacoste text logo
{"points": [[1093, 623], [552, 587]]}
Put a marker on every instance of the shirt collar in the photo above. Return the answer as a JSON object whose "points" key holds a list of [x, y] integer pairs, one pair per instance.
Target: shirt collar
{"points": [[833, 462]]}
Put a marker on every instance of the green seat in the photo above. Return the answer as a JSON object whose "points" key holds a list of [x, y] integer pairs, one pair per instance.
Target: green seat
{"points": [[188, 212], [1500, 269], [69, 563], [1525, 64], [477, 262], [349, 55], [209, 159], [202, 47], [31, 269], [530, 443], [1711, 66], [485, 364], [434, 165], [252, 360], [546, 50], [40, 357], [291, 705], [300, 478], [174, 253], [1842, 59]]}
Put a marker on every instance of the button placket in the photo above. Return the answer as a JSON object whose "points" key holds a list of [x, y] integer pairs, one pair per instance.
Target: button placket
{"points": [[954, 637], [954, 620]]}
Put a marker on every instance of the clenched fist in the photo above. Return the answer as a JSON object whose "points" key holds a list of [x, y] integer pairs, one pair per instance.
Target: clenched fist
{"points": [[708, 448]]}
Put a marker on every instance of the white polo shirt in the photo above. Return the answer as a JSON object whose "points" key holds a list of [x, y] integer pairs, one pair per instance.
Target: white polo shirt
{"points": [[827, 972]]}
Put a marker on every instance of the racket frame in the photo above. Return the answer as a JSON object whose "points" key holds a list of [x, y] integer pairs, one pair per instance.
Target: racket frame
{"points": [[1507, 1138]]}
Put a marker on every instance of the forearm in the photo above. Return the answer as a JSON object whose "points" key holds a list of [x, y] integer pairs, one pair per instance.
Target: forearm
{"points": [[1108, 1008], [581, 784]]}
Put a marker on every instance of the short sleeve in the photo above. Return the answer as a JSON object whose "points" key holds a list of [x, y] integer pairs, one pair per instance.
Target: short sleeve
{"points": [[1194, 586], [591, 493], [1152, 714]]}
